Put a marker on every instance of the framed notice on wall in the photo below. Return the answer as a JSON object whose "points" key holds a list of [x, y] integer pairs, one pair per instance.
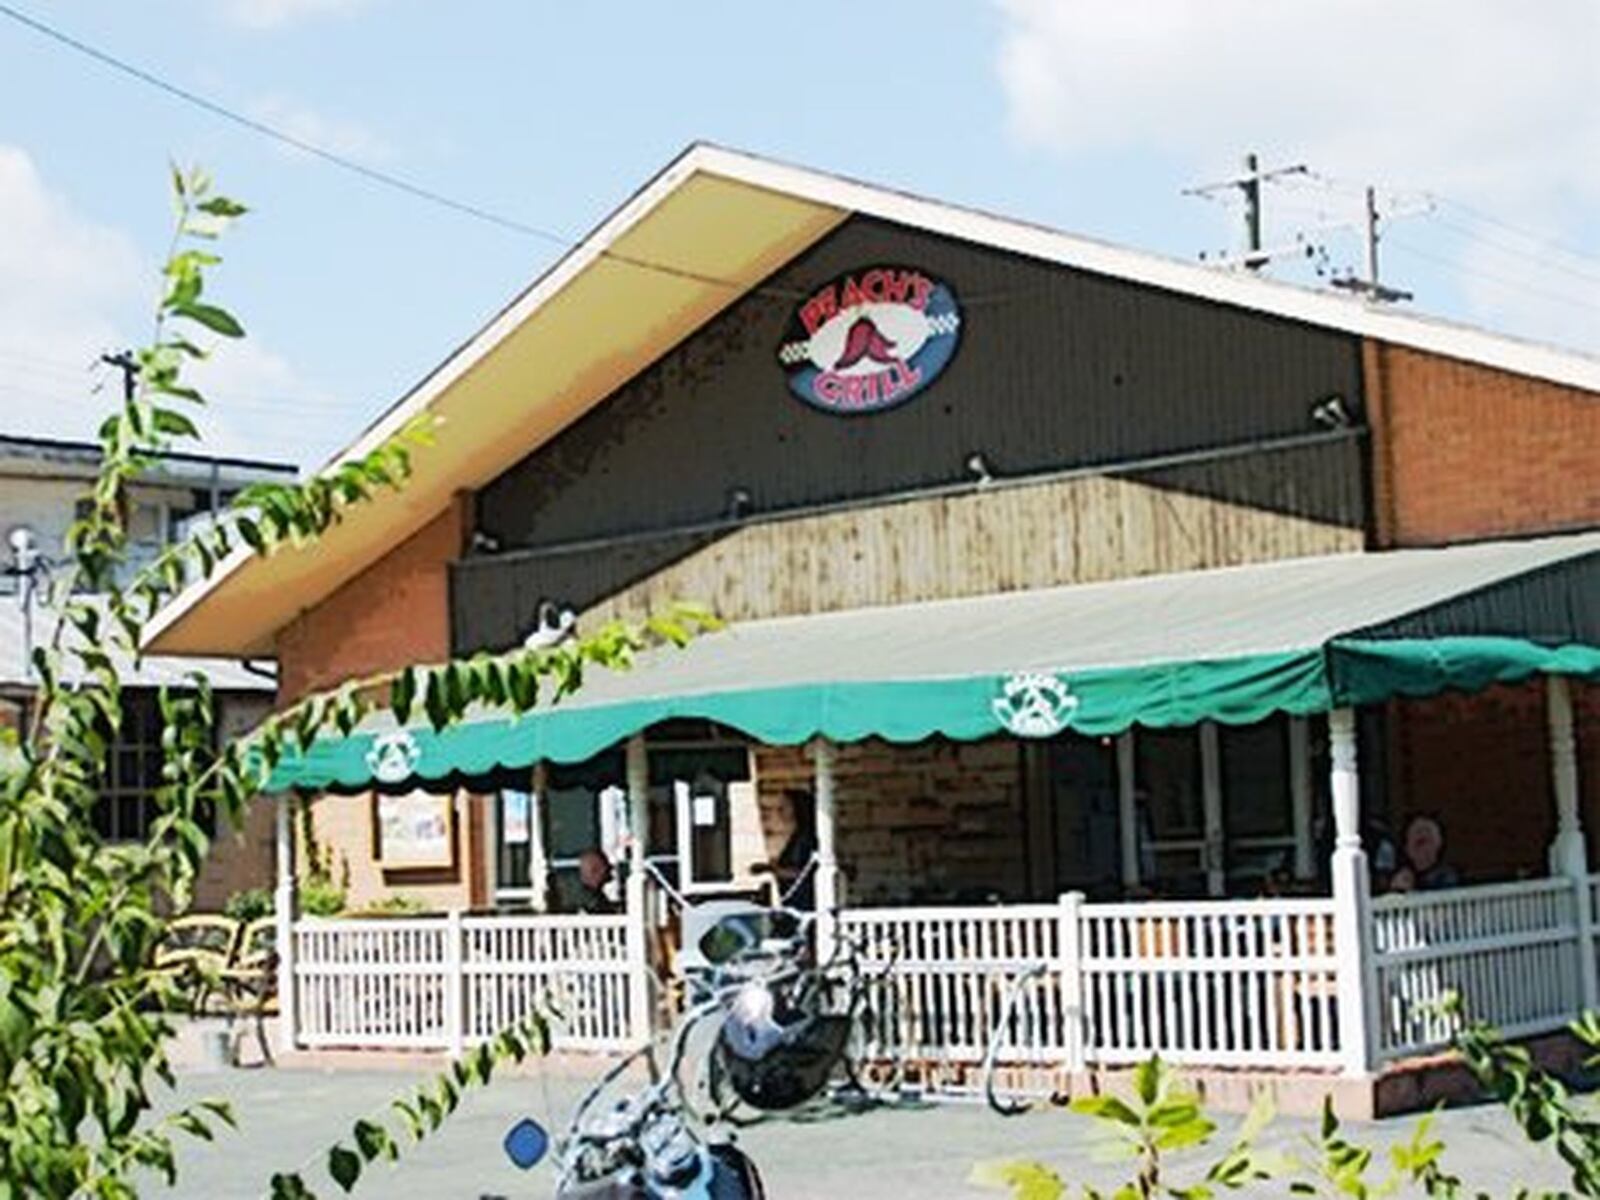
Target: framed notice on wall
{"points": [[414, 831]]}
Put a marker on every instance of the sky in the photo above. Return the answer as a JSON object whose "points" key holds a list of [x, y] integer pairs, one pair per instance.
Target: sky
{"points": [[1478, 125]]}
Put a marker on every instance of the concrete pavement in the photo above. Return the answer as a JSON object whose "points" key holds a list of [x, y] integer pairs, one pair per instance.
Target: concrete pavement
{"points": [[289, 1117]]}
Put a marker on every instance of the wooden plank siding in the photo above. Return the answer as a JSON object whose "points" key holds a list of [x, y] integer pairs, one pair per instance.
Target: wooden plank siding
{"points": [[1074, 530], [1060, 373]]}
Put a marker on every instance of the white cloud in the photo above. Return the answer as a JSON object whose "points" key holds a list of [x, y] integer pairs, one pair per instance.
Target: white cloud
{"points": [[338, 134], [72, 289], [66, 285], [272, 14], [1492, 102]]}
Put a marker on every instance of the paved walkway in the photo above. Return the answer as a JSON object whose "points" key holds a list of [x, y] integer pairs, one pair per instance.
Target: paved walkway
{"points": [[288, 1118]]}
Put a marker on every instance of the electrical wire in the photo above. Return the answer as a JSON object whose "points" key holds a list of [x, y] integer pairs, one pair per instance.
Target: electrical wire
{"points": [[370, 174], [1528, 236], [1492, 277], [1511, 250]]}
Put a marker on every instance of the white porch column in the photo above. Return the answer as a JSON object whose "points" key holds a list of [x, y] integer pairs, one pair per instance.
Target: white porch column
{"points": [[823, 755], [1569, 855], [538, 858], [636, 893], [284, 904], [1352, 902], [638, 772], [641, 1012]]}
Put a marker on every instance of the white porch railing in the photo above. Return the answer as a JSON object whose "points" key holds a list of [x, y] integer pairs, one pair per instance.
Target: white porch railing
{"points": [[442, 983], [1218, 983], [1204, 983], [1510, 951], [949, 972]]}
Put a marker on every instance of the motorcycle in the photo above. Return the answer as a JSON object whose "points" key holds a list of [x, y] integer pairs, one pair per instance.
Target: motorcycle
{"points": [[644, 1147]]}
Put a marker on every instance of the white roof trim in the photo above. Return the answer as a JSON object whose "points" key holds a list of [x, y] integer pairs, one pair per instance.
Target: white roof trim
{"points": [[1291, 301], [459, 362]]}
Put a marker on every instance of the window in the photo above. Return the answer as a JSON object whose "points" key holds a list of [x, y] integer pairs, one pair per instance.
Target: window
{"points": [[133, 773], [1081, 786], [1169, 787], [1257, 791], [689, 797]]}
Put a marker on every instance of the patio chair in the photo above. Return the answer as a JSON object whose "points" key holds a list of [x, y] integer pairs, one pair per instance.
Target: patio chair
{"points": [[196, 950], [249, 983]]}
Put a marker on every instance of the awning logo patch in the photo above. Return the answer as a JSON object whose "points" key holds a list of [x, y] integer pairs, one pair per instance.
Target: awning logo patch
{"points": [[393, 756], [870, 339], [1034, 705]]}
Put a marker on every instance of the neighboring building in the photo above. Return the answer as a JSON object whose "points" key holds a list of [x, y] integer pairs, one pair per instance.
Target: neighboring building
{"points": [[1083, 564], [42, 485]]}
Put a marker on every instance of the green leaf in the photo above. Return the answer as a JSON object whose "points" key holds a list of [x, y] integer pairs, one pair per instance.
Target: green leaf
{"points": [[374, 1140], [1105, 1108], [221, 206], [1147, 1079], [344, 1165], [218, 320], [1024, 1180]]}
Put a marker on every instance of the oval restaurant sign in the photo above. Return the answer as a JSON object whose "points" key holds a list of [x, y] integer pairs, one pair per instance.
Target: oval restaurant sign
{"points": [[870, 339]]}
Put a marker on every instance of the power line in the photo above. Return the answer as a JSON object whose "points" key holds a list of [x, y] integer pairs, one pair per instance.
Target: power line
{"points": [[1528, 236], [370, 174], [1503, 280], [1515, 251]]}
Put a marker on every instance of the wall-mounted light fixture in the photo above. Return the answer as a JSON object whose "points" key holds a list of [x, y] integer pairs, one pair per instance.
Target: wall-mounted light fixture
{"points": [[553, 624]]}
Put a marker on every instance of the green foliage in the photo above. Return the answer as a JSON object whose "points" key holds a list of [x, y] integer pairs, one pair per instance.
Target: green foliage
{"points": [[382, 1136], [1161, 1118], [323, 891], [249, 905], [396, 904], [82, 1024]]}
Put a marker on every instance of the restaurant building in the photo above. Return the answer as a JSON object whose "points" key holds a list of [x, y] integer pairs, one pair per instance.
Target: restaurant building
{"points": [[1091, 596]]}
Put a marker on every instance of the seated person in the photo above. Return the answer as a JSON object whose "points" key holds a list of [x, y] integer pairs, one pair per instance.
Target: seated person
{"points": [[594, 873], [794, 872], [1423, 868]]}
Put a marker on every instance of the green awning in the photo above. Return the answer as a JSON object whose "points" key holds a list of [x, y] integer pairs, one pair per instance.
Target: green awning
{"points": [[1233, 645]]}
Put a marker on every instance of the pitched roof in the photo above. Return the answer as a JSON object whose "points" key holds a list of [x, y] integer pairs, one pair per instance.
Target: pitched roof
{"points": [[691, 241], [1233, 644], [16, 672]]}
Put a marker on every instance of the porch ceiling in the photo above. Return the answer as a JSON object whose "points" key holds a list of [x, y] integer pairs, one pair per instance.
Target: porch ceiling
{"points": [[1232, 645]]}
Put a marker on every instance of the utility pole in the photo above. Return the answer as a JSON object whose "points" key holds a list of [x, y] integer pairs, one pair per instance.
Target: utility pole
{"points": [[1371, 287], [129, 366], [1248, 184]]}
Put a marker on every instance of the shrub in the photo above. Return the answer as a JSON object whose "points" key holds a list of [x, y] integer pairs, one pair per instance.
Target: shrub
{"points": [[249, 905]]}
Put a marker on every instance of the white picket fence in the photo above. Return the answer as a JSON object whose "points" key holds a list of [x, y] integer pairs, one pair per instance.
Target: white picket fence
{"points": [[1216, 983], [1511, 952], [1205, 983], [443, 983], [1219, 983]]}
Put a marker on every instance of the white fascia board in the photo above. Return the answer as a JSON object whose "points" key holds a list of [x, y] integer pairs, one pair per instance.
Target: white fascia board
{"points": [[1252, 292], [460, 361]]}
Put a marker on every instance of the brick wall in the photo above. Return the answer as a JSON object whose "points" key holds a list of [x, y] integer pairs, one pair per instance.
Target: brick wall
{"points": [[243, 857], [931, 820], [1481, 764], [1462, 451], [395, 612]]}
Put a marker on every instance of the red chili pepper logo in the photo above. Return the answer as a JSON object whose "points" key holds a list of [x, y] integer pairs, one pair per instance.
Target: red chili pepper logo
{"points": [[864, 341]]}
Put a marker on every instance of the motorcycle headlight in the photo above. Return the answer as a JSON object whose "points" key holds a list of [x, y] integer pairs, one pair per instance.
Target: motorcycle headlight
{"points": [[753, 1003]]}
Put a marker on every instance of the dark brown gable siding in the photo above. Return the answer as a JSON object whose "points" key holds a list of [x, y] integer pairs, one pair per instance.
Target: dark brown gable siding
{"points": [[1058, 370]]}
